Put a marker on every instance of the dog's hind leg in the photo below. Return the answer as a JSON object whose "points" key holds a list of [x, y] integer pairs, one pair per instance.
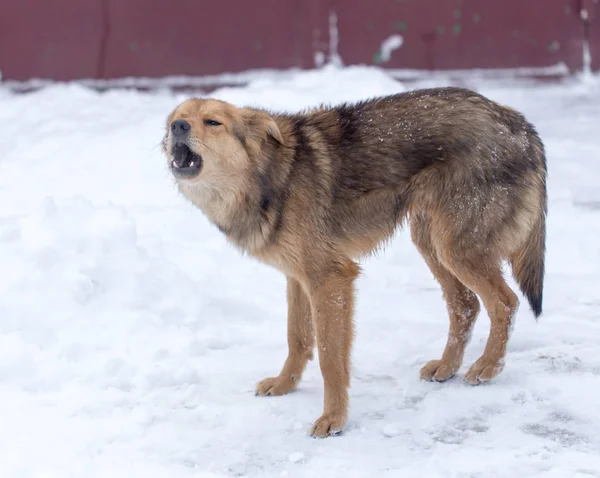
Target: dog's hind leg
{"points": [[301, 340], [501, 304], [462, 305]]}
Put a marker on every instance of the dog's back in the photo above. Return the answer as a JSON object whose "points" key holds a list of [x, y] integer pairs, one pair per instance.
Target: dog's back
{"points": [[470, 171]]}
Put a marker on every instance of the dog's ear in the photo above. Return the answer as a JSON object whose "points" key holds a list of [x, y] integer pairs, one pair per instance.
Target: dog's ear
{"points": [[257, 125]]}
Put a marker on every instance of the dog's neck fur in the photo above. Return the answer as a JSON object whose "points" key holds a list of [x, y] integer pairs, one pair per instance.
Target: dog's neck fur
{"points": [[247, 216], [217, 204]]}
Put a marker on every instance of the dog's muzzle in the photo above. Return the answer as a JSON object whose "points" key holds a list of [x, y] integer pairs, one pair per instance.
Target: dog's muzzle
{"points": [[185, 163]]}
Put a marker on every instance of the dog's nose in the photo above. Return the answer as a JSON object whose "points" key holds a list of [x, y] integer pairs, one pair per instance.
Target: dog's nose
{"points": [[180, 127]]}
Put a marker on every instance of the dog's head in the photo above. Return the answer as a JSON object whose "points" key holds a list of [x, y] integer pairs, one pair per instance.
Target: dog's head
{"points": [[213, 143]]}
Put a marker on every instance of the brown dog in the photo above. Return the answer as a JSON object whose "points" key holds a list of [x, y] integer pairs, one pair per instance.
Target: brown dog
{"points": [[310, 193]]}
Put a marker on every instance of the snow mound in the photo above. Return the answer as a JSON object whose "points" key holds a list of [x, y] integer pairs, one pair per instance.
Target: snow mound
{"points": [[296, 91]]}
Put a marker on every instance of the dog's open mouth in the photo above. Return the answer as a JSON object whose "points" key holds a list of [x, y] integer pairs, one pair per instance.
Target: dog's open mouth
{"points": [[185, 162]]}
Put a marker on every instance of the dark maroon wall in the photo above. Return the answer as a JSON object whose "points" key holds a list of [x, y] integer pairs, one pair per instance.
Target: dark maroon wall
{"points": [[150, 38], [58, 39], [70, 39], [456, 34]]}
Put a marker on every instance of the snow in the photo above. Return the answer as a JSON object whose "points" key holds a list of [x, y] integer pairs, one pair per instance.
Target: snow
{"points": [[391, 43], [132, 334]]}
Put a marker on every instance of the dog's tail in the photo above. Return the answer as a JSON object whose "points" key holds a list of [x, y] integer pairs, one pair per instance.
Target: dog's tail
{"points": [[528, 262]]}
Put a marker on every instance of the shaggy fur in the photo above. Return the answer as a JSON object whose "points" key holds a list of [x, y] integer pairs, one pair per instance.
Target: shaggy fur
{"points": [[310, 193]]}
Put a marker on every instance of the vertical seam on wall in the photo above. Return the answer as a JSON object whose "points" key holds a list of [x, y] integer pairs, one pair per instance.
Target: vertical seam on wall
{"points": [[105, 14]]}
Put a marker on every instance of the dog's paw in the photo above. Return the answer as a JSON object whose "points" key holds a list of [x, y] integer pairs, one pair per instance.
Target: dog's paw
{"points": [[275, 386], [438, 371], [483, 370], [329, 424]]}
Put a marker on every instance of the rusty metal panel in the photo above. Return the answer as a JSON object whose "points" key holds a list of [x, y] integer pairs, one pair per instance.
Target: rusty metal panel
{"points": [[454, 34], [58, 39], [194, 37]]}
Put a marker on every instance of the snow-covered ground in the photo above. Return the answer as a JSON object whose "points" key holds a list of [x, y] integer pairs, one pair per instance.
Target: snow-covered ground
{"points": [[132, 335]]}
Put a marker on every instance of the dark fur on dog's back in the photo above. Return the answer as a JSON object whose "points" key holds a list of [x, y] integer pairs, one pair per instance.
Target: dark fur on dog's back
{"points": [[479, 155], [309, 193]]}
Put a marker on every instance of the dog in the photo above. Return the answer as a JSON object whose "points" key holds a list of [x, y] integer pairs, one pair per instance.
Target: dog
{"points": [[313, 192]]}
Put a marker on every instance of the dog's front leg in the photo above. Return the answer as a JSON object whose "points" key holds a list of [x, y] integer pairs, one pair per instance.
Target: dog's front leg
{"points": [[332, 301], [301, 340]]}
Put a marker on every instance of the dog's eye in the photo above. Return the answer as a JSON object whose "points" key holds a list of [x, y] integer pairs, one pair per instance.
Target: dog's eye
{"points": [[209, 122]]}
